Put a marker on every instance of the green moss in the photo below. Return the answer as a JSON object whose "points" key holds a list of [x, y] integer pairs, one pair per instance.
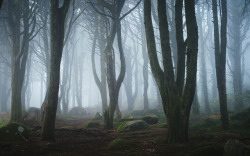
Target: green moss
{"points": [[163, 125], [208, 149], [122, 126], [150, 119], [3, 123], [92, 124], [67, 127], [14, 132], [132, 126], [117, 123], [120, 144]]}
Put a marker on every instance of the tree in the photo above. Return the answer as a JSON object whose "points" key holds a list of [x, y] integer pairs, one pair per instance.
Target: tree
{"points": [[203, 73], [99, 37], [58, 16], [220, 44], [1, 2], [114, 84], [176, 98], [238, 28], [19, 13]]}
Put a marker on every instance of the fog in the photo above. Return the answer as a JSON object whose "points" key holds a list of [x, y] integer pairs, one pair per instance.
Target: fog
{"points": [[77, 83]]}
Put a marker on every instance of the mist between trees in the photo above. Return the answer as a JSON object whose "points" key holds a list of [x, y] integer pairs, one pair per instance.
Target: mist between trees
{"points": [[117, 56]]}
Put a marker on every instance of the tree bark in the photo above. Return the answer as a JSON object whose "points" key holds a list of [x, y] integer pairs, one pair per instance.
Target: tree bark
{"points": [[176, 104], [220, 59], [58, 16]]}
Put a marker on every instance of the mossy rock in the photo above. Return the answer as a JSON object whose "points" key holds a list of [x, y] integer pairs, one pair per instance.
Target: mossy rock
{"points": [[120, 145], [208, 149], [67, 127], [132, 126], [92, 124], [145, 112], [128, 117], [98, 117], [150, 119], [13, 132], [77, 111]]}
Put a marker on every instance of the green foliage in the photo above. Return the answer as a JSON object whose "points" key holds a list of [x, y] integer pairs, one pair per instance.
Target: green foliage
{"points": [[14, 131], [208, 149], [120, 145], [92, 124]]}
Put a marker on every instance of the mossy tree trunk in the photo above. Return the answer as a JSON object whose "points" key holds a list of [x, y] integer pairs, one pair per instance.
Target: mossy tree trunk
{"points": [[58, 16], [176, 97], [220, 59]]}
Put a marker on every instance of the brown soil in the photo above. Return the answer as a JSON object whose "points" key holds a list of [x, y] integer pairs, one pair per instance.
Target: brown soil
{"points": [[91, 142]]}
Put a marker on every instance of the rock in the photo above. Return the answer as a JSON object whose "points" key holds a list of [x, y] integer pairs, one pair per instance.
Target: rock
{"points": [[33, 113], [98, 116], [92, 124], [14, 132], [132, 126], [128, 117], [120, 145], [77, 111], [236, 148], [145, 112], [150, 119]]}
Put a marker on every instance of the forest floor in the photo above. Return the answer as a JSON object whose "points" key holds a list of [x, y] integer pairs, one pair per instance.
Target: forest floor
{"points": [[71, 139]]}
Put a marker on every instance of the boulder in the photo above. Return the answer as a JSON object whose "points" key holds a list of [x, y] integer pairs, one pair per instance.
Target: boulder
{"points": [[132, 126], [14, 132], [236, 148], [120, 145], [32, 113], [128, 117], [92, 124], [77, 111], [150, 119]]}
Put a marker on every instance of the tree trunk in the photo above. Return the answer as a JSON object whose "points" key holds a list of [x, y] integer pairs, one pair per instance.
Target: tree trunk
{"points": [[220, 59], [57, 36], [176, 103], [203, 72], [19, 53]]}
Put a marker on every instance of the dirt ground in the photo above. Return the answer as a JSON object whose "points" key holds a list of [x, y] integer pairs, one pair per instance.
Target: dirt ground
{"points": [[93, 141]]}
